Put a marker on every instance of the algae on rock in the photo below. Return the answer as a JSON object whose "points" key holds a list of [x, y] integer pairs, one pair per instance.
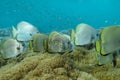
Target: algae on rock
{"points": [[43, 67]]}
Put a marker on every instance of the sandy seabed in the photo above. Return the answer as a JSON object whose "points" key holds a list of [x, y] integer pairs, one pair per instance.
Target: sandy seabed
{"points": [[77, 65]]}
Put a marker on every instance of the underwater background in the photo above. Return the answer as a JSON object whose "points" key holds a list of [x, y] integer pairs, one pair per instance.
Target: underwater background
{"points": [[59, 14], [84, 54]]}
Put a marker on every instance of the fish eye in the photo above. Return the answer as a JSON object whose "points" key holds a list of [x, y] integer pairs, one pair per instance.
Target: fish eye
{"points": [[23, 44], [68, 42], [30, 34], [97, 34], [18, 48]]}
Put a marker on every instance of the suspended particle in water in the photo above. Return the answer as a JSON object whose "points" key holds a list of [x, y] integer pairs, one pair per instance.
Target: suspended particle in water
{"points": [[106, 21], [115, 22]]}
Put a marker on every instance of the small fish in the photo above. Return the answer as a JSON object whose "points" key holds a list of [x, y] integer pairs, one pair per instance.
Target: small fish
{"points": [[70, 33], [85, 34], [10, 48], [24, 31], [5, 33], [65, 32]]}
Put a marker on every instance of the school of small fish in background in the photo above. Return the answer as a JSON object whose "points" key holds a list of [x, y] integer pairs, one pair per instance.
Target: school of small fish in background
{"points": [[106, 41]]}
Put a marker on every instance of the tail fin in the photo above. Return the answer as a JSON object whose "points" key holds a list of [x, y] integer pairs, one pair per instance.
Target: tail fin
{"points": [[45, 43], [72, 35], [97, 46], [14, 32]]}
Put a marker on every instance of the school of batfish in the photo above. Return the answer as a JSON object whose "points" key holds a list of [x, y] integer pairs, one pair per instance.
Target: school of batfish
{"points": [[106, 41]]}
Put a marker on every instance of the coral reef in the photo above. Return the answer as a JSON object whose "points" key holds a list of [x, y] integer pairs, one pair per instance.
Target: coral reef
{"points": [[77, 65]]}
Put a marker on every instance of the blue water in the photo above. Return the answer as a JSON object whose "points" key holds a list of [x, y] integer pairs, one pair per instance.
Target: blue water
{"points": [[49, 15]]}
